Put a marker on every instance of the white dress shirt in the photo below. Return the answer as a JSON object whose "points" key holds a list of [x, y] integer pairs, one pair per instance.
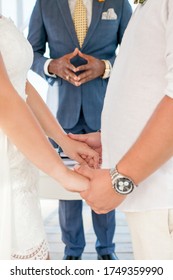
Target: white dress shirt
{"points": [[142, 75]]}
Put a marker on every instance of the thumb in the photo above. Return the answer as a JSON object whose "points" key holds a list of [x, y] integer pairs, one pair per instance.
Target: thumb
{"points": [[78, 137], [83, 55], [84, 170], [81, 160], [75, 52]]}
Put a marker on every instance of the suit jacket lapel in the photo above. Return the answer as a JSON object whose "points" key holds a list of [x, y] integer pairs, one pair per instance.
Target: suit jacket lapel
{"points": [[96, 15], [66, 15]]}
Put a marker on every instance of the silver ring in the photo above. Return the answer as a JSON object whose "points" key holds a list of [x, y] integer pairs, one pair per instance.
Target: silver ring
{"points": [[67, 77]]}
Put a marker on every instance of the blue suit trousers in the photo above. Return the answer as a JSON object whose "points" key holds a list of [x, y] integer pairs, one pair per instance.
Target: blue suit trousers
{"points": [[71, 221]]}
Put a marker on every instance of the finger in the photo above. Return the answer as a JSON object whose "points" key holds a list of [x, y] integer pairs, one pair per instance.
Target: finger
{"points": [[86, 160], [74, 53], [84, 157], [85, 77], [72, 69], [80, 160], [78, 189], [85, 194], [85, 56], [67, 77], [85, 171], [68, 73], [97, 211], [83, 67], [74, 83], [92, 157], [78, 137], [91, 163], [93, 207]]}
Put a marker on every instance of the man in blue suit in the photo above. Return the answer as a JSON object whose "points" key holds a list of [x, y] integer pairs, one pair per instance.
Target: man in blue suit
{"points": [[81, 74]]}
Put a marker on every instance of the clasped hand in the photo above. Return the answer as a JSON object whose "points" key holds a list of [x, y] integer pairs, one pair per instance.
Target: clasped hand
{"points": [[63, 68], [100, 195]]}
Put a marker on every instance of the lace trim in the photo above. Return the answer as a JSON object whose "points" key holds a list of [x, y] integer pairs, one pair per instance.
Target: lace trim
{"points": [[38, 253]]}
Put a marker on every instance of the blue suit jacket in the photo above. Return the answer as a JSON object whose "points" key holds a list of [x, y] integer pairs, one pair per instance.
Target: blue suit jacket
{"points": [[51, 23]]}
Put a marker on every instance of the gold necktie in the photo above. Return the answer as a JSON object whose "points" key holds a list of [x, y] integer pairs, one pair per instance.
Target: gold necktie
{"points": [[80, 21]]}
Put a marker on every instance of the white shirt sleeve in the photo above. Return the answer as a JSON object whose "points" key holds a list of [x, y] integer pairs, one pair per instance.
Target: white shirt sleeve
{"points": [[46, 68]]}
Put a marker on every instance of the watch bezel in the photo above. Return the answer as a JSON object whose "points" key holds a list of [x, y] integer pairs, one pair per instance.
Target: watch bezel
{"points": [[120, 188], [126, 189]]}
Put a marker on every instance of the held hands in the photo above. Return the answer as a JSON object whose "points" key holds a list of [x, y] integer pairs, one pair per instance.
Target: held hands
{"points": [[93, 140], [83, 154], [72, 181], [63, 68], [100, 195], [80, 152]]}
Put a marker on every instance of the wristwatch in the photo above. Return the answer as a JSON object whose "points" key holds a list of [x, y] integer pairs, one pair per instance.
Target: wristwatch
{"points": [[108, 68], [120, 183]]}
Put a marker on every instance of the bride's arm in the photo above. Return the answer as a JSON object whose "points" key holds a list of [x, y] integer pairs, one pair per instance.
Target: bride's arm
{"points": [[74, 149], [20, 125]]}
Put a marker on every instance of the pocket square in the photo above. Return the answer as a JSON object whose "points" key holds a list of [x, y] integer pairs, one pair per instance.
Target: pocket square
{"points": [[109, 15]]}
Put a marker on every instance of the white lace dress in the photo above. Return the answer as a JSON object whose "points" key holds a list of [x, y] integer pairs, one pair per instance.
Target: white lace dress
{"points": [[22, 233]]}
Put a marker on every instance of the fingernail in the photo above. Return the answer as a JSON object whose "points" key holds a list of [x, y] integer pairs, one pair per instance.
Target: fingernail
{"points": [[76, 167]]}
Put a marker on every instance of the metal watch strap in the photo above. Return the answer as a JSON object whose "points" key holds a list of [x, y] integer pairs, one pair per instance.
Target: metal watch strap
{"points": [[107, 71], [114, 173]]}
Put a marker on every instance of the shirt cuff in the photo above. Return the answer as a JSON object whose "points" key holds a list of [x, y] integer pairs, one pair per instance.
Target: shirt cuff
{"points": [[46, 68]]}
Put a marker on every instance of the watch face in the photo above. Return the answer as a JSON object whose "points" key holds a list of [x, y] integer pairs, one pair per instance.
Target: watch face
{"points": [[124, 185]]}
